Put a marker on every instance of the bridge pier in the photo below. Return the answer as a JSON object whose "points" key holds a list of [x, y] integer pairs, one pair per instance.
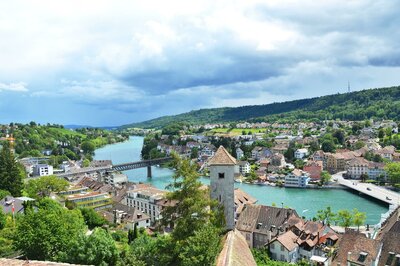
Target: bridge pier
{"points": [[149, 171]]}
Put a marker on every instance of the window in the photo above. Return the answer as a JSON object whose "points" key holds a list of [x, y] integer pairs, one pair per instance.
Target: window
{"points": [[221, 175], [272, 246], [282, 248], [283, 257]]}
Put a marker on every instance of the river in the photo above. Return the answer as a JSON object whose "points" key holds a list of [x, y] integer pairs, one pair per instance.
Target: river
{"points": [[306, 201]]}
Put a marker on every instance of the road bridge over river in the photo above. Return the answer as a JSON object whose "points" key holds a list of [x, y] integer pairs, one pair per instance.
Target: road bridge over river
{"points": [[379, 193], [117, 167]]}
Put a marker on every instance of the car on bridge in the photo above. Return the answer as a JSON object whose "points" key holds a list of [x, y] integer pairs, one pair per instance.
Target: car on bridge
{"points": [[387, 198], [369, 189]]}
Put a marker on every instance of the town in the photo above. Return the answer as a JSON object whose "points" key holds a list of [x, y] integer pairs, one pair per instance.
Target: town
{"points": [[200, 133], [308, 155]]}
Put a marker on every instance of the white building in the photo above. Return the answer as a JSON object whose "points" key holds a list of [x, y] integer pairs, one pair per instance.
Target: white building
{"points": [[301, 153], [244, 167], [222, 171], [376, 170], [147, 199], [357, 167], [115, 179], [285, 248], [297, 178], [42, 170], [239, 153]]}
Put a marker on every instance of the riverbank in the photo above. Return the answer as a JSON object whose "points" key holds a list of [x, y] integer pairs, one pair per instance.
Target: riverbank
{"points": [[305, 201]]}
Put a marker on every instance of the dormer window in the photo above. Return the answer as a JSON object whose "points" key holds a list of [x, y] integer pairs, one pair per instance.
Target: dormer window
{"points": [[221, 175], [362, 256]]}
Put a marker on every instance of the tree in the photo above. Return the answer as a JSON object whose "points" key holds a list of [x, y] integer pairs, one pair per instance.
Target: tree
{"points": [[328, 145], [393, 170], [88, 147], [363, 177], [359, 218], [130, 236], [381, 133], [3, 219], [11, 172], [42, 187], [200, 249], [92, 218], [4, 193], [160, 250], [191, 209], [325, 177], [96, 249], [127, 258], [339, 135], [359, 144], [299, 164], [135, 233], [45, 234], [195, 153], [314, 146], [289, 153], [85, 163], [344, 217], [327, 216]]}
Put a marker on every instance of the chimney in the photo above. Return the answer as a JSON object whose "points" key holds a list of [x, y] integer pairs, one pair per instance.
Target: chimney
{"points": [[348, 256]]}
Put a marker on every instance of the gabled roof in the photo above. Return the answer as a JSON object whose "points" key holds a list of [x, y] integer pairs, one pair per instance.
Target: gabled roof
{"points": [[364, 251], [222, 157], [235, 251], [288, 240], [260, 218]]}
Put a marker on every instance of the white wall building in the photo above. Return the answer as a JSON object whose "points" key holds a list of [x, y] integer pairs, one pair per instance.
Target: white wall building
{"points": [[146, 199], [301, 153], [297, 178], [244, 167], [239, 153], [115, 179], [42, 170], [285, 248]]}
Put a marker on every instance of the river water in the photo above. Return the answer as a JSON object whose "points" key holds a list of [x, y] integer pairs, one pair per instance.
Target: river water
{"points": [[306, 201]]}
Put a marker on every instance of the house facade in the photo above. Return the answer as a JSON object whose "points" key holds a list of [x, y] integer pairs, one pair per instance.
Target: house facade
{"points": [[314, 169], [297, 178]]}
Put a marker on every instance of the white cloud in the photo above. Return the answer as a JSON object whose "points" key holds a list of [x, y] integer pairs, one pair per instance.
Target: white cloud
{"points": [[172, 56], [16, 87]]}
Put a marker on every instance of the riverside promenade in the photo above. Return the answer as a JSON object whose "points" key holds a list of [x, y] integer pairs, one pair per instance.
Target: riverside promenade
{"points": [[379, 193]]}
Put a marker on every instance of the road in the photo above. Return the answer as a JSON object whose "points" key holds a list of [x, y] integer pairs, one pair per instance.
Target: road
{"points": [[374, 191]]}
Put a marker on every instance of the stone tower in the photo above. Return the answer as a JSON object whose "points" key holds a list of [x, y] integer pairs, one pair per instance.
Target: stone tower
{"points": [[222, 170]]}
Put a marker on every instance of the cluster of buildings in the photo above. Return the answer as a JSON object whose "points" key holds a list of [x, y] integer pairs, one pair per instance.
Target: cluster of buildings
{"points": [[290, 238]]}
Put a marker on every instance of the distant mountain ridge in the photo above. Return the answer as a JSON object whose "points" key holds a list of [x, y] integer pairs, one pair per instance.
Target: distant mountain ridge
{"points": [[380, 103], [86, 126]]}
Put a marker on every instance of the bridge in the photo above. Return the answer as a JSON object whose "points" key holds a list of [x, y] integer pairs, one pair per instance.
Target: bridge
{"points": [[379, 193], [117, 167]]}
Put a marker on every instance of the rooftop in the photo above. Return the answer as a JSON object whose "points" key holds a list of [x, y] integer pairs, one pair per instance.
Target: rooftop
{"points": [[222, 157]]}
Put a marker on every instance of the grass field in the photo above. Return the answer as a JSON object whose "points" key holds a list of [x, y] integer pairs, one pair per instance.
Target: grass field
{"points": [[236, 131]]}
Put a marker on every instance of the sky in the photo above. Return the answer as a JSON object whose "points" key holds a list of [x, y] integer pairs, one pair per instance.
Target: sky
{"points": [[108, 63]]}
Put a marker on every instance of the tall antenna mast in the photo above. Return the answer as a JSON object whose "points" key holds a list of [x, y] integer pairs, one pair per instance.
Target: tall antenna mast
{"points": [[348, 86]]}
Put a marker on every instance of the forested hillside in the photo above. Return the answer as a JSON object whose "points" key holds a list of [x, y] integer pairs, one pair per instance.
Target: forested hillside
{"points": [[33, 139], [383, 103]]}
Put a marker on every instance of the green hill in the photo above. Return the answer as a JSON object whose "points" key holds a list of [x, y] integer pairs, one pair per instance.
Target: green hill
{"points": [[383, 103]]}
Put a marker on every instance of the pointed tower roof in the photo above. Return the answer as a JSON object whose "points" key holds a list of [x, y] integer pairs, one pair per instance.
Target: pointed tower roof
{"points": [[222, 157]]}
